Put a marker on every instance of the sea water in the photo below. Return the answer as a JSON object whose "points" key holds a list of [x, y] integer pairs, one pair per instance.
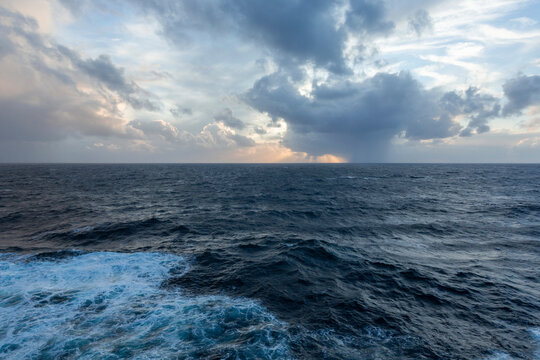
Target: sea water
{"points": [[270, 261]]}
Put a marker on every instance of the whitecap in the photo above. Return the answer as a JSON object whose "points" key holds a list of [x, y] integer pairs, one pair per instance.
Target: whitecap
{"points": [[82, 229], [113, 305]]}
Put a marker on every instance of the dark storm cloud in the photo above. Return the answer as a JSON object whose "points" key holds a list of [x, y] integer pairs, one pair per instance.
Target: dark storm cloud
{"points": [[297, 31], [420, 22], [301, 30], [358, 120], [521, 92], [226, 117]]}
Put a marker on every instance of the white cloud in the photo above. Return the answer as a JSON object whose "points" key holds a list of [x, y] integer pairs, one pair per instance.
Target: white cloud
{"points": [[525, 21]]}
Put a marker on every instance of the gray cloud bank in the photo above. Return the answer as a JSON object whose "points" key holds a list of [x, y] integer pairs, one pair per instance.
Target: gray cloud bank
{"points": [[358, 120]]}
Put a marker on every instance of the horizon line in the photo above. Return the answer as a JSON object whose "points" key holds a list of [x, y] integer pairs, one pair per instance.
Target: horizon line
{"points": [[266, 163]]}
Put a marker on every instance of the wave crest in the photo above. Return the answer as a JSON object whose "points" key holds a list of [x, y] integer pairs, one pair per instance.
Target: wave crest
{"points": [[112, 305]]}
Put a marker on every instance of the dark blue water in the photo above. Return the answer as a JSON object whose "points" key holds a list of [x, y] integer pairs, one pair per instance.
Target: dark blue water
{"points": [[270, 261]]}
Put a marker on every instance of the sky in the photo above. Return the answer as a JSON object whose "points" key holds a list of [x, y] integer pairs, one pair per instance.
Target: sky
{"points": [[270, 81]]}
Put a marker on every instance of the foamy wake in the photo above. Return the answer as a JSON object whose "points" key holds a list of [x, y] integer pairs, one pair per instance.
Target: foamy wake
{"points": [[112, 305]]}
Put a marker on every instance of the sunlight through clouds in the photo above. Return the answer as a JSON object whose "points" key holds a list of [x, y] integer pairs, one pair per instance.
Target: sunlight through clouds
{"points": [[190, 79]]}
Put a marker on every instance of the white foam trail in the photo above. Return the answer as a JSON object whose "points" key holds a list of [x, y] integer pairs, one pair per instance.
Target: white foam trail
{"points": [[111, 305]]}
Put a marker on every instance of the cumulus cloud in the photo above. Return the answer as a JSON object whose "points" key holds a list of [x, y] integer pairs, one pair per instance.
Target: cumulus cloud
{"points": [[357, 120], [226, 117], [521, 92], [163, 129], [213, 135], [479, 107]]}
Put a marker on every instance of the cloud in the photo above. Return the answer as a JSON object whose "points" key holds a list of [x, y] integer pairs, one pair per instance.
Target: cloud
{"points": [[43, 117], [212, 136], [479, 107], [293, 32], [102, 69], [226, 117], [6, 46], [39, 95], [21, 36], [259, 130], [49, 93], [160, 128], [420, 22], [302, 31], [524, 21], [178, 111], [521, 92], [368, 16], [304, 62], [215, 136], [357, 120]]}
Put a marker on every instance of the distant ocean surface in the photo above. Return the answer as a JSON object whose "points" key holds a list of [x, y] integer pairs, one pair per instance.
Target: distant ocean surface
{"points": [[270, 261]]}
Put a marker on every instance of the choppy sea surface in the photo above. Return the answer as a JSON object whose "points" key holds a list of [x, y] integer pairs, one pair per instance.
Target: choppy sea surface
{"points": [[270, 261]]}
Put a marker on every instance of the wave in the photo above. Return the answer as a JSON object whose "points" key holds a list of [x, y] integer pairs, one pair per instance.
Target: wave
{"points": [[112, 305]]}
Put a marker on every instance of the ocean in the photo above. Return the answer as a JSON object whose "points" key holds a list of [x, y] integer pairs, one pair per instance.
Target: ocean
{"points": [[314, 261]]}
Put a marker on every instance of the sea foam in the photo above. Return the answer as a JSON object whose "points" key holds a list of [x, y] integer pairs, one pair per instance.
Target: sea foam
{"points": [[113, 305]]}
